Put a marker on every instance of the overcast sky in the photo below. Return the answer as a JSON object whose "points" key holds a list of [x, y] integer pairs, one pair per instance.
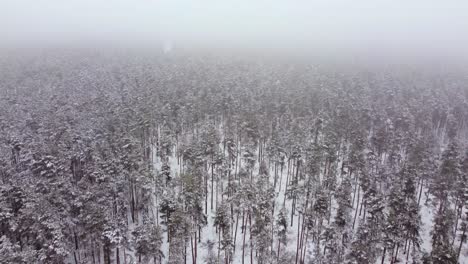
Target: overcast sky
{"points": [[398, 26]]}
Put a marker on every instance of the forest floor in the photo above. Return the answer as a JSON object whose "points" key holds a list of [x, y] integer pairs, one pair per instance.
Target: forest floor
{"points": [[209, 233]]}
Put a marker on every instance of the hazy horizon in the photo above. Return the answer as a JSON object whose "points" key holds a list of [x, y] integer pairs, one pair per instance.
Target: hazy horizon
{"points": [[393, 29]]}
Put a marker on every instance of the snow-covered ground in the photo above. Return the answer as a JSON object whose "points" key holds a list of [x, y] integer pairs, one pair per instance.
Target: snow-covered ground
{"points": [[209, 232]]}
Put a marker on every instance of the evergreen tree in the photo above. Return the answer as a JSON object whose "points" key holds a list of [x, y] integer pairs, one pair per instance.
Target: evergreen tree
{"points": [[147, 241], [442, 250], [263, 218]]}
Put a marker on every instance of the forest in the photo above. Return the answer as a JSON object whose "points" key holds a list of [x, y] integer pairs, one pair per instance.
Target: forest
{"points": [[180, 158]]}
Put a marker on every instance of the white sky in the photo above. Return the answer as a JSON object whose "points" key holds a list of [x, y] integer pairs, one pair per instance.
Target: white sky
{"points": [[398, 26]]}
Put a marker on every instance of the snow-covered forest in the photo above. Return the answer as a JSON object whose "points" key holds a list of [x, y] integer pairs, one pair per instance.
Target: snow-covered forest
{"points": [[117, 158]]}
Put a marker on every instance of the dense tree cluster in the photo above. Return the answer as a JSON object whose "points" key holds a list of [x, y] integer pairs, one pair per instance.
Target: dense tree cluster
{"points": [[131, 158]]}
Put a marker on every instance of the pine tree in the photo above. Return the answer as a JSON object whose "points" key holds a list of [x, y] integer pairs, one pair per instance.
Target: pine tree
{"points": [[262, 216], [282, 231], [442, 250], [147, 242], [363, 247], [463, 202], [222, 222], [341, 223], [394, 231]]}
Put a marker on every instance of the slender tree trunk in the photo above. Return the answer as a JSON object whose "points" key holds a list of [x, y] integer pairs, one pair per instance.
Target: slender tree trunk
{"points": [[408, 252], [199, 234], [196, 248], [272, 227], [206, 192], [99, 254], [185, 251], [355, 190], [281, 176], [305, 248], [235, 233], [76, 246], [396, 253], [365, 211], [286, 183], [362, 204], [92, 252], [279, 246], [301, 240], [383, 255], [219, 244], [298, 237], [251, 241], [456, 223], [212, 181], [293, 205], [107, 257], [406, 245], [462, 240], [132, 205], [237, 157], [117, 255], [420, 191], [357, 206], [275, 176], [243, 241], [216, 194], [192, 249]]}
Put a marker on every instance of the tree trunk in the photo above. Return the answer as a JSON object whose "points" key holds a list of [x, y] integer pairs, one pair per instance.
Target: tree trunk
{"points": [[298, 237], [196, 248], [132, 204], [293, 205], [117, 255], [251, 241], [212, 181], [219, 244], [279, 246], [192, 249], [107, 257], [383, 255], [420, 191], [206, 190], [99, 254], [357, 206], [305, 248], [408, 252], [235, 233], [395, 258], [243, 241], [462, 240], [92, 252]]}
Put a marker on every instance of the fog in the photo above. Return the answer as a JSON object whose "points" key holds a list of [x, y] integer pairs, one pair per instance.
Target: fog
{"points": [[233, 131], [430, 29]]}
